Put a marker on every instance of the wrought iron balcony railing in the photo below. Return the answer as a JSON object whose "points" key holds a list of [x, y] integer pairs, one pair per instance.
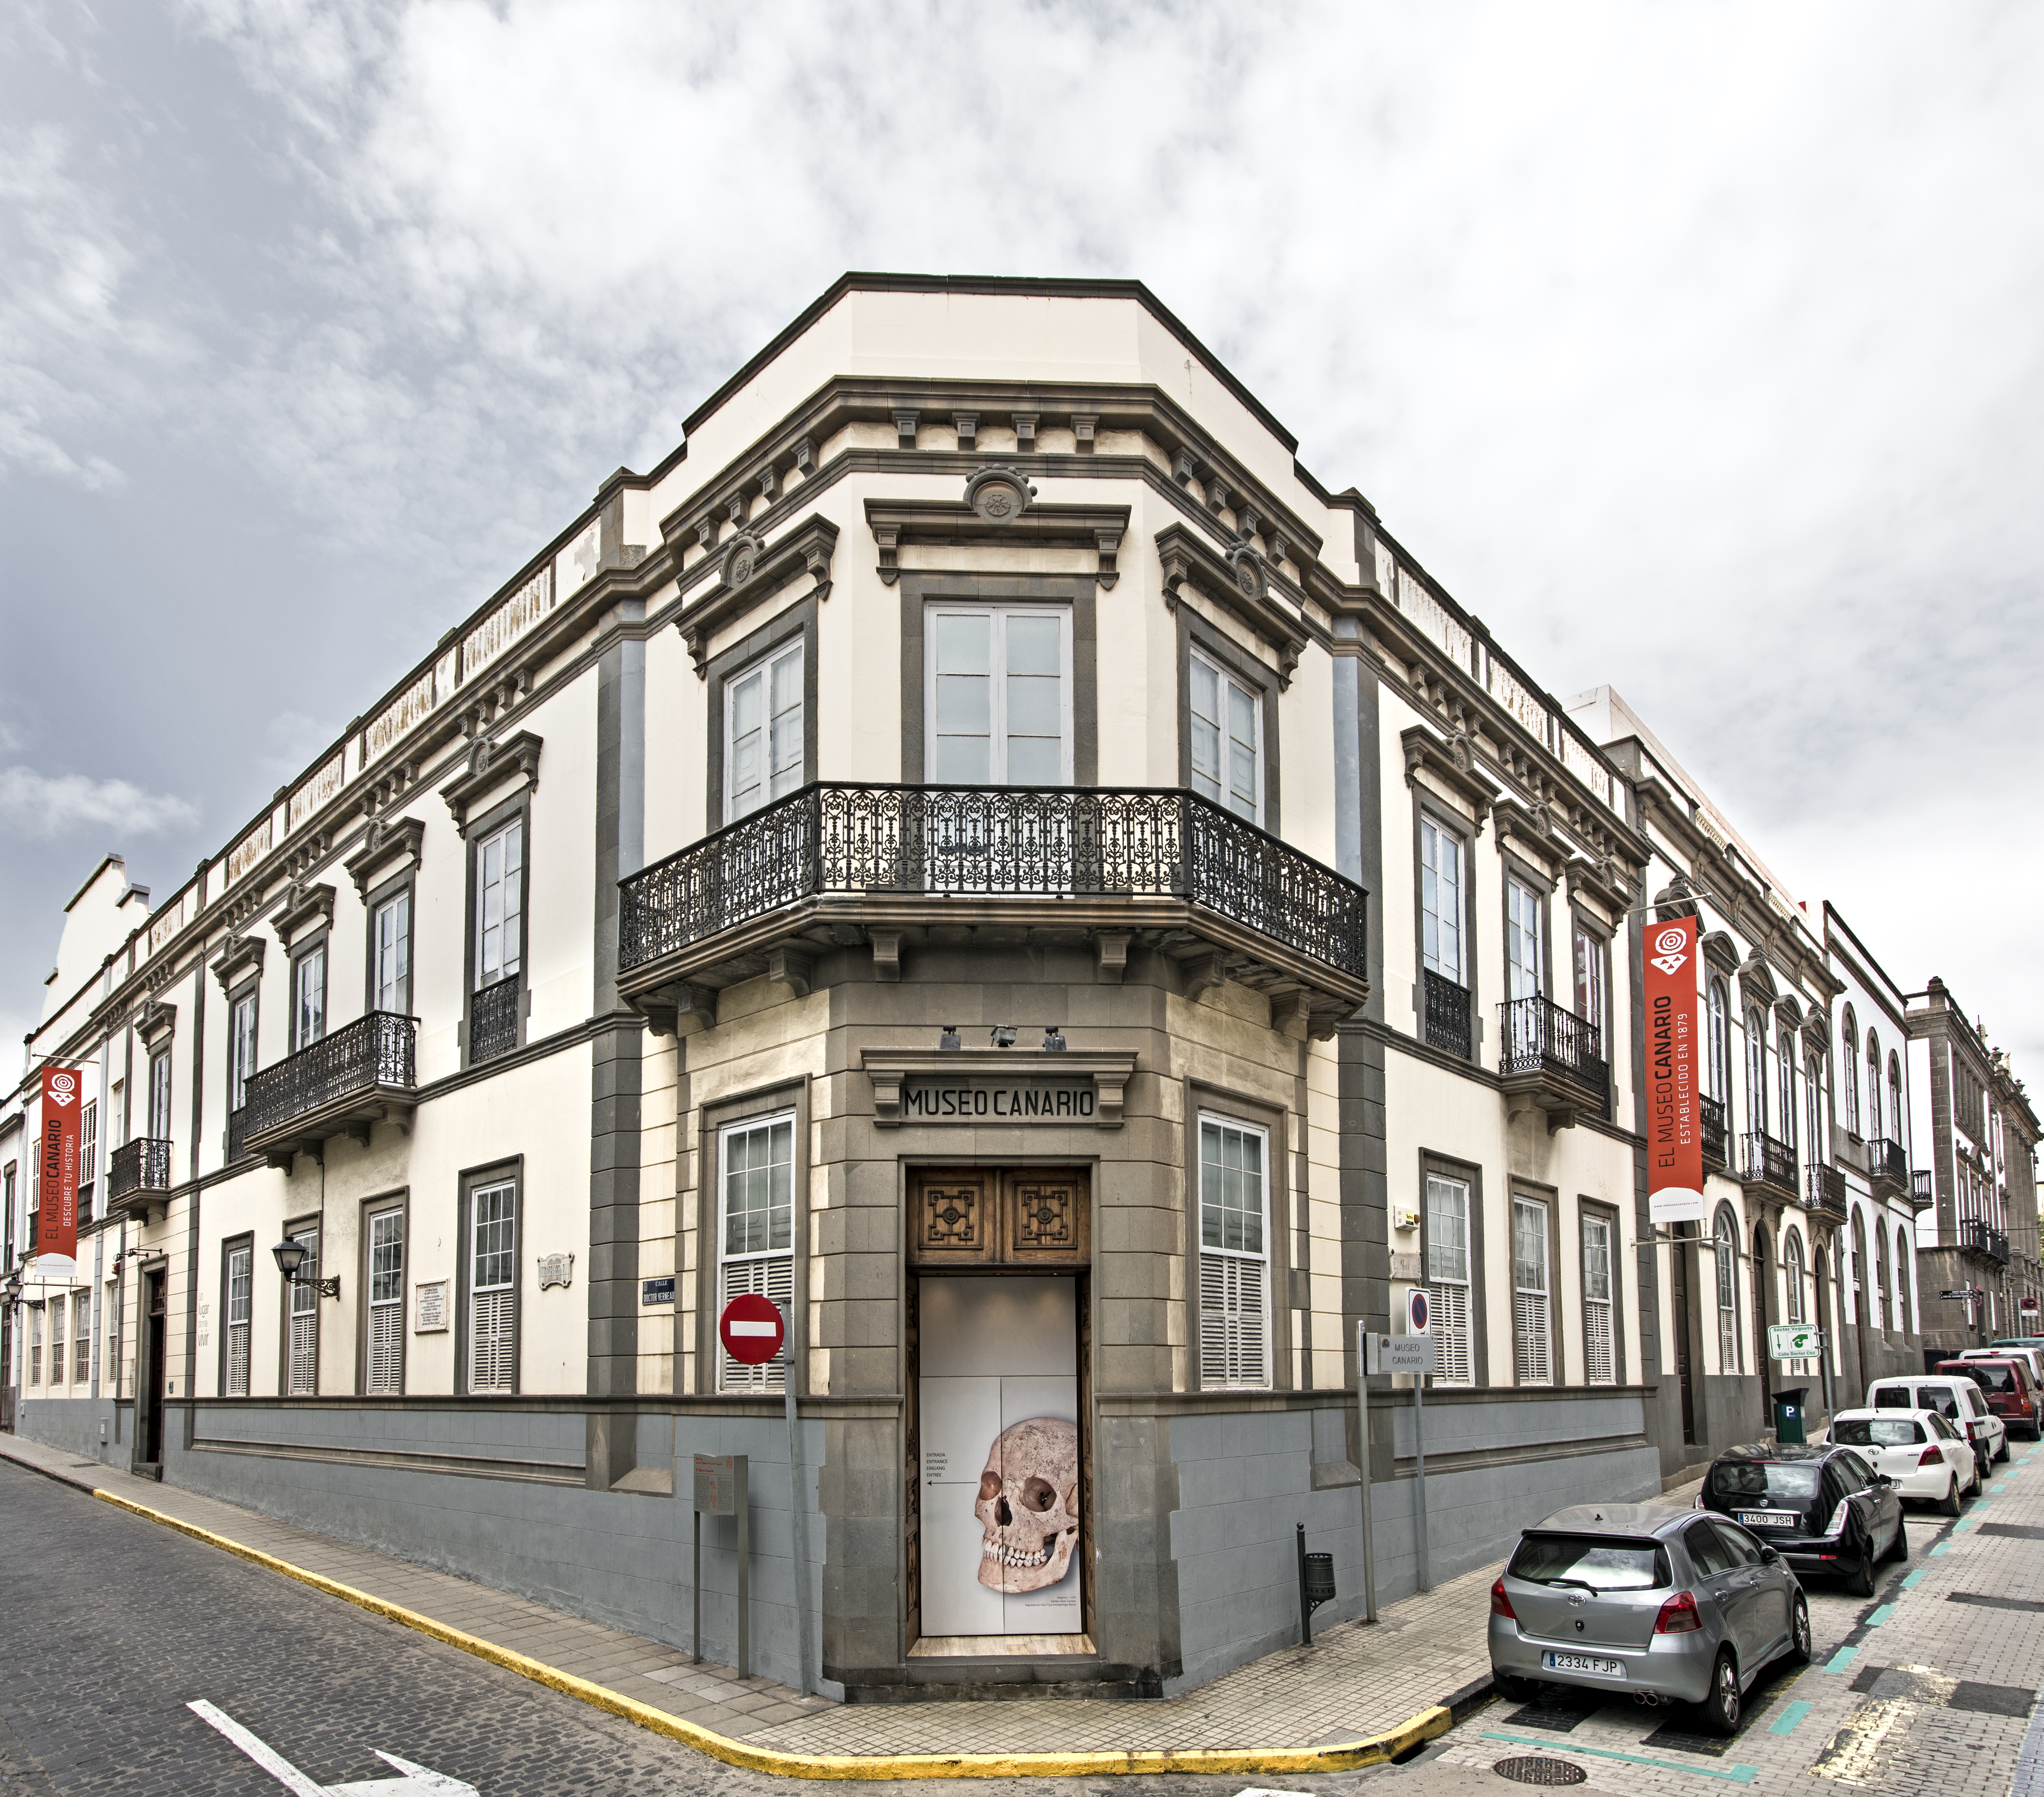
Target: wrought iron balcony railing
{"points": [[1886, 1162], [138, 1172], [1824, 1190], [237, 1135], [1713, 1114], [345, 1080], [841, 840], [492, 1021], [1922, 1192], [1976, 1235], [1768, 1161], [1448, 1013], [1539, 1036]]}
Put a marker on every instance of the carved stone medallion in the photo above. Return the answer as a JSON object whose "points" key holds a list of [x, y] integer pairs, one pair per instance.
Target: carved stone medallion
{"points": [[998, 494]]}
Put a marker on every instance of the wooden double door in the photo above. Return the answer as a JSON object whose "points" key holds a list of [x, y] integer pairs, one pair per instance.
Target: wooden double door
{"points": [[999, 1461]]}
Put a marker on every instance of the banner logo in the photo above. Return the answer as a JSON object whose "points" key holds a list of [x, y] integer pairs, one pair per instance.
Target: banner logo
{"points": [[1671, 947], [63, 1088]]}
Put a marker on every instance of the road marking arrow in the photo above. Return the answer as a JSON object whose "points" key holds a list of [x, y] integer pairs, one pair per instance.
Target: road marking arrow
{"points": [[418, 1781]]}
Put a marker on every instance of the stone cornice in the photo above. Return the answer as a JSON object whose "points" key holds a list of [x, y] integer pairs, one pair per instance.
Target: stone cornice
{"points": [[490, 766], [1239, 582], [750, 571], [239, 955], [1452, 763], [386, 841], [977, 520], [302, 904]]}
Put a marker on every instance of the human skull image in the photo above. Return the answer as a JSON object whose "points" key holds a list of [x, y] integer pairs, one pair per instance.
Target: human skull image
{"points": [[1029, 1505]]}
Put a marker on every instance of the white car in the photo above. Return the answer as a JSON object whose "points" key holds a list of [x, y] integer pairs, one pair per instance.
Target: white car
{"points": [[1923, 1454], [1958, 1400]]}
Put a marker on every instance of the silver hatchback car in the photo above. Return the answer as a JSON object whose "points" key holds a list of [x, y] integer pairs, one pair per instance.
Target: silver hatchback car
{"points": [[1641, 1600]]}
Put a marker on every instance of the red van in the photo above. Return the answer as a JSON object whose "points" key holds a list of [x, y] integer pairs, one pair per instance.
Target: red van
{"points": [[2006, 1384]]}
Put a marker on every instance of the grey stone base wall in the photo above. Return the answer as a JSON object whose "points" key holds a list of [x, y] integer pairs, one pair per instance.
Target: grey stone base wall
{"points": [[73, 1424]]}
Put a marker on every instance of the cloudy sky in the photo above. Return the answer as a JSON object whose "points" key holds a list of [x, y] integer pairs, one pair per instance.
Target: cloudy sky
{"points": [[1695, 348]]}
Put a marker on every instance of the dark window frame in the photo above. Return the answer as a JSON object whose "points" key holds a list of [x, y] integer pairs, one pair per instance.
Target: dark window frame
{"points": [[1536, 1193], [1587, 1208], [1542, 886], [317, 942], [754, 1105], [1430, 808], [250, 988], [510, 1167], [315, 1222], [1469, 1173], [799, 620], [479, 830], [228, 1246], [1197, 632], [403, 885], [1225, 1104], [399, 1200]]}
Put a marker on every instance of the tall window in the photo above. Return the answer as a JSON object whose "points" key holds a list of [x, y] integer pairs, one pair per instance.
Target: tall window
{"points": [[1235, 1266], [1228, 740], [1902, 1258], [159, 1096], [757, 1174], [56, 1340], [492, 1289], [1720, 1041], [109, 1321], [1883, 1317], [88, 1145], [1785, 1065], [1756, 1070], [999, 696], [239, 1299], [1813, 1107], [1531, 1334], [81, 1358], [1448, 1277], [1874, 1085], [763, 721], [309, 997], [500, 867], [301, 1367], [390, 955], [241, 1049], [35, 1344], [1522, 941], [1725, 1241], [1600, 1337], [1441, 901], [7, 1178], [386, 1368], [1849, 1070], [1791, 1266], [1589, 978], [1895, 1095]]}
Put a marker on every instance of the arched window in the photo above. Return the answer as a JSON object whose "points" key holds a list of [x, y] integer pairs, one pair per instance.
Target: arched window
{"points": [[1903, 1283], [1720, 1072], [1883, 1317], [1756, 1071], [1852, 1277], [1785, 1062], [1761, 1280], [1813, 1099], [1725, 1243], [1791, 1267], [1874, 1128], [1849, 1072], [1895, 1095]]}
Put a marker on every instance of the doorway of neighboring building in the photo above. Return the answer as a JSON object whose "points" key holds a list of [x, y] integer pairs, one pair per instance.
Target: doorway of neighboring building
{"points": [[150, 1393]]}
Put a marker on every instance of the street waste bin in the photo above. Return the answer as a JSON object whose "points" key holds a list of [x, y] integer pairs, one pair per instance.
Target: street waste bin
{"points": [[1788, 1410]]}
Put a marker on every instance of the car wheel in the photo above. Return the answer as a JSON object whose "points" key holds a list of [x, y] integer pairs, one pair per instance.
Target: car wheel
{"points": [[1722, 1707], [1513, 1688], [1901, 1551], [2002, 1453], [1949, 1504], [1799, 1632], [1859, 1581]]}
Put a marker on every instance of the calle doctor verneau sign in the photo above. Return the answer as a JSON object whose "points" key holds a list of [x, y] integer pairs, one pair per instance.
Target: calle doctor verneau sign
{"points": [[998, 1101]]}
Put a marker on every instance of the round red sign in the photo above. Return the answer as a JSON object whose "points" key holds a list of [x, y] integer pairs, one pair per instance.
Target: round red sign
{"points": [[751, 1329]]}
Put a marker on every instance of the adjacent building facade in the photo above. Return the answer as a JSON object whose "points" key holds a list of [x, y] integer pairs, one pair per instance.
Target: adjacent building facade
{"points": [[981, 849]]}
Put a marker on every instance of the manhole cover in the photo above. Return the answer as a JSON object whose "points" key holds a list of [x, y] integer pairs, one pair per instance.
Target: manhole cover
{"points": [[1531, 1769]]}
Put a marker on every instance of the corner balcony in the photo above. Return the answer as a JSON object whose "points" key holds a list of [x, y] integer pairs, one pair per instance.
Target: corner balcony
{"points": [[1990, 1244], [1550, 1059], [138, 1177], [1824, 1193], [1770, 1166], [838, 864], [343, 1084]]}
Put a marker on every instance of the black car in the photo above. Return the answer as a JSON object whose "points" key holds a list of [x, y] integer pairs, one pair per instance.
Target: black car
{"points": [[1822, 1508]]}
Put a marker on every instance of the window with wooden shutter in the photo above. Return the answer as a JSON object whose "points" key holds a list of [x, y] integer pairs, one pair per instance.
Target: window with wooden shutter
{"points": [[1599, 1331], [36, 1346], [386, 1368], [492, 1294], [301, 1370], [1234, 1265], [57, 1314], [240, 1270], [1448, 1279], [81, 1367], [756, 1174], [1532, 1343], [1725, 1247]]}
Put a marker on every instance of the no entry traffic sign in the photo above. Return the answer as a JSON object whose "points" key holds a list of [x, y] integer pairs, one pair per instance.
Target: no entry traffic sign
{"points": [[751, 1329]]}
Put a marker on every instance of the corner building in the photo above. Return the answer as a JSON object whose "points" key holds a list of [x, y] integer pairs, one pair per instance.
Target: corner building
{"points": [[980, 848]]}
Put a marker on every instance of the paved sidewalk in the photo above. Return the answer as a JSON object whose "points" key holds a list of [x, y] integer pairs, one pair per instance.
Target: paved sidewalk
{"points": [[1358, 1680]]}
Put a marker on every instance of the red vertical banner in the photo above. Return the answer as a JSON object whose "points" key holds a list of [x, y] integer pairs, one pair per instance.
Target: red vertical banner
{"points": [[1674, 1117], [56, 1226]]}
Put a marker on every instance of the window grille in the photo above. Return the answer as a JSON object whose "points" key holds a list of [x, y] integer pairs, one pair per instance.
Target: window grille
{"points": [[757, 1252], [1599, 1335], [386, 1303], [1530, 1337], [492, 1287], [241, 1291], [1448, 1279], [1234, 1269]]}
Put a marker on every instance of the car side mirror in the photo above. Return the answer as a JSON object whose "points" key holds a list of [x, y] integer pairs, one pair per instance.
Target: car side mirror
{"points": [[1768, 1555], [1882, 1478]]}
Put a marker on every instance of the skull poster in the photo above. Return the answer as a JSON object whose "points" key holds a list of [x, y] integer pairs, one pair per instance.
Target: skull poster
{"points": [[999, 1404]]}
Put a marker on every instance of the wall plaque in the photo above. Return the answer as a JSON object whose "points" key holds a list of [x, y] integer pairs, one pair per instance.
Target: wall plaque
{"points": [[657, 1291], [429, 1309]]}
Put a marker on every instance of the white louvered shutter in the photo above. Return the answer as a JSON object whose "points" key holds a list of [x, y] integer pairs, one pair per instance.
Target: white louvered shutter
{"points": [[386, 1342], [1453, 1357], [386, 1303], [1600, 1348], [491, 1331], [303, 1372], [1532, 1350], [1235, 1323], [1600, 1363], [1530, 1321], [239, 1291], [772, 1278], [493, 1308]]}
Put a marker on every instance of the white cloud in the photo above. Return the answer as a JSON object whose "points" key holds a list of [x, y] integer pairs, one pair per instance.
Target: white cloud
{"points": [[46, 805]]}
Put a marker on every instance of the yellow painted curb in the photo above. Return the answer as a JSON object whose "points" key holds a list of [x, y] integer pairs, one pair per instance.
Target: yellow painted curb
{"points": [[1343, 1758]]}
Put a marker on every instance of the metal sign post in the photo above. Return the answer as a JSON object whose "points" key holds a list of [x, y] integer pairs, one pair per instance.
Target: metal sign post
{"points": [[798, 1537], [1413, 1354], [1369, 1530], [721, 1491]]}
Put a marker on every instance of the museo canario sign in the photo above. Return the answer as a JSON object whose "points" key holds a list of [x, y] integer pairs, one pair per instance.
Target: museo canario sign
{"points": [[984, 1100]]}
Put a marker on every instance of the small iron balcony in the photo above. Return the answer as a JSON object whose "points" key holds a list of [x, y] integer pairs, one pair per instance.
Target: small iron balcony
{"points": [[1887, 1168], [1769, 1163], [1975, 1235], [342, 1085], [1447, 1014], [837, 863], [1551, 1061], [1824, 1191], [1923, 1191], [138, 1176], [1713, 1114], [492, 1021]]}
